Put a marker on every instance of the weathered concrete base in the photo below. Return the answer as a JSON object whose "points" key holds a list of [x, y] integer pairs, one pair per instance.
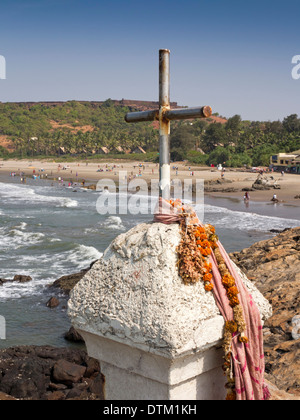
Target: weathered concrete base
{"points": [[155, 337], [134, 374]]}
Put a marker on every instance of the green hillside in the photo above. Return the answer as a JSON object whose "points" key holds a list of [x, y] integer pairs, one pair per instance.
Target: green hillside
{"points": [[78, 127], [81, 128]]}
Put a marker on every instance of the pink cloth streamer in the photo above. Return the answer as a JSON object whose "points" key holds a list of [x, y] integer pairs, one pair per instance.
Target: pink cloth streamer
{"points": [[248, 358], [165, 213]]}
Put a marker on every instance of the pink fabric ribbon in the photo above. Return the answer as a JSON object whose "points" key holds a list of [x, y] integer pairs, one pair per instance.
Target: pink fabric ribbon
{"points": [[248, 358], [165, 213]]}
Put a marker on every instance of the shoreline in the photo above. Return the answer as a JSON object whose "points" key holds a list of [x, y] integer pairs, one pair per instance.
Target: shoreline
{"points": [[230, 186]]}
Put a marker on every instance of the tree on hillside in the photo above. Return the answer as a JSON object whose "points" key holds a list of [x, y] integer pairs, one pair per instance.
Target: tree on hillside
{"points": [[233, 128], [291, 123], [274, 127], [182, 140], [199, 129], [220, 155], [215, 135], [233, 124]]}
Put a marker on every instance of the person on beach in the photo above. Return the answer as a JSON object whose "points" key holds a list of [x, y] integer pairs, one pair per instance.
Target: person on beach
{"points": [[246, 196]]}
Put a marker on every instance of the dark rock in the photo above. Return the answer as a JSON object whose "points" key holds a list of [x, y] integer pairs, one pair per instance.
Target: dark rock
{"points": [[26, 378], [52, 302], [67, 373], [223, 190], [17, 278], [260, 187], [57, 387], [48, 373], [279, 395], [2, 281], [22, 279], [97, 386], [217, 181], [92, 368], [56, 396], [78, 391], [74, 336], [6, 397], [75, 393], [67, 283]]}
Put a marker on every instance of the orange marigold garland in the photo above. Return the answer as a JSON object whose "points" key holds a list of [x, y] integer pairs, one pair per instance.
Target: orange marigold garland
{"points": [[194, 249], [197, 244]]}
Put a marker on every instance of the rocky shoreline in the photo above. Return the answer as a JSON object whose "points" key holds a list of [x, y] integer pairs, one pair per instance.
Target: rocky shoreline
{"points": [[47, 373], [274, 266]]}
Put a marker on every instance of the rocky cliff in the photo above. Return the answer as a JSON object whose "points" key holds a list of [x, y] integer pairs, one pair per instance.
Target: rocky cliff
{"points": [[274, 266]]}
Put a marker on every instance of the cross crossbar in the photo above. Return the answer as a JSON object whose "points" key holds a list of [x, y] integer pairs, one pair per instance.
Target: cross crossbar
{"points": [[164, 115], [171, 114]]}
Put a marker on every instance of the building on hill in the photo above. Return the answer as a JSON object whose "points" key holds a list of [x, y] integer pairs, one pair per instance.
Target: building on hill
{"points": [[103, 151], [62, 150], [287, 162], [138, 149], [118, 149]]}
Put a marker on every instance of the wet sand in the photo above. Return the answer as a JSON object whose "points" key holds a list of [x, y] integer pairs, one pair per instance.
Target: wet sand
{"points": [[92, 172]]}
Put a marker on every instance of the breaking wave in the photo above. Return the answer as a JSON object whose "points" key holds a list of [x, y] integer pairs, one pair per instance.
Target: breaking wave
{"points": [[15, 193], [231, 219]]}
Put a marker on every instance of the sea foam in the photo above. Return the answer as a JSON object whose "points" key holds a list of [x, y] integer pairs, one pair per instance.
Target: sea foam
{"points": [[23, 193], [222, 217]]}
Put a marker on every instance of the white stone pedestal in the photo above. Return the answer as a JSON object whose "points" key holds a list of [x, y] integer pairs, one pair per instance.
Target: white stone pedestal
{"points": [[155, 338], [134, 374]]}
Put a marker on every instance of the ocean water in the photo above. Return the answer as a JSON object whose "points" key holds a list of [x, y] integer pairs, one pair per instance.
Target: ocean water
{"points": [[48, 230]]}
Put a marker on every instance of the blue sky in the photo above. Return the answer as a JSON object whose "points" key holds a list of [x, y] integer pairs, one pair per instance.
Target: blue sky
{"points": [[235, 56]]}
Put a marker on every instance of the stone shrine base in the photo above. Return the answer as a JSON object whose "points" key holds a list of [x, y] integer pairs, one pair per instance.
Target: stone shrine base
{"points": [[155, 337], [134, 374]]}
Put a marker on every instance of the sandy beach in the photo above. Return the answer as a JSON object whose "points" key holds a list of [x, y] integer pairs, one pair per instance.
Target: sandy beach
{"points": [[93, 171]]}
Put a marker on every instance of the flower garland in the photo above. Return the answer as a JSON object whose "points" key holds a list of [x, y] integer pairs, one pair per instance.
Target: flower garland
{"points": [[197, 244], [194, 249]]}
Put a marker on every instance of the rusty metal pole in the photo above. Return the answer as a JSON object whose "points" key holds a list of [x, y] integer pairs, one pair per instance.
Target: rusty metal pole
{"points": [[164, 124], [165, 115]]}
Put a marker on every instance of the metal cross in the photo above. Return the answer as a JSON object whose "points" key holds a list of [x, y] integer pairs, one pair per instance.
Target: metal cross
{"points": [[164, 115]]}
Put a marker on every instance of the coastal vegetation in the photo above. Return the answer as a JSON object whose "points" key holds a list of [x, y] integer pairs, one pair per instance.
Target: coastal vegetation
{"points": [[80, 129]]}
